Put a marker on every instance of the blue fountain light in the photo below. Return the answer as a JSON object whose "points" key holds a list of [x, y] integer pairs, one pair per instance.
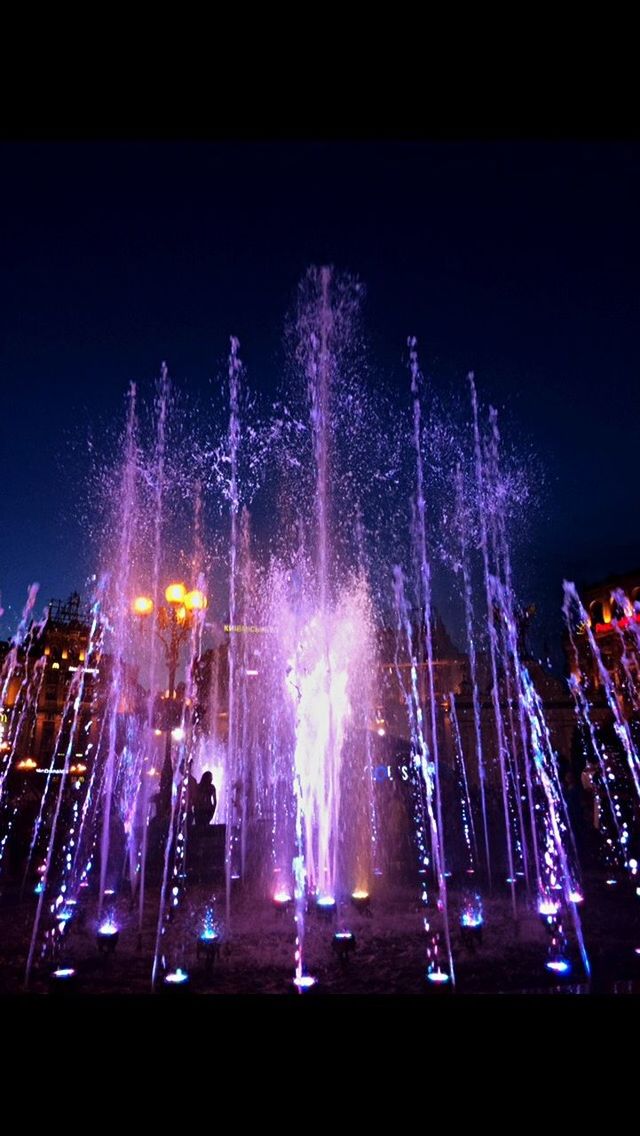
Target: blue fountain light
{"points": [[209, 935], [558, 965], [64, 972], [177, 977], [304, 982], [438, 977], [471, 919]]}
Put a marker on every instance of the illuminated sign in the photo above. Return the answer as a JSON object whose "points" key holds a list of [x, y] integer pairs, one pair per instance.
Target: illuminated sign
{"points": [[246, 629], [387, 773]]}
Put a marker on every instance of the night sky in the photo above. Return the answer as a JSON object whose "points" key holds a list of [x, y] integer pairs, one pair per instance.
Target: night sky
{"points": [[517, 260]]}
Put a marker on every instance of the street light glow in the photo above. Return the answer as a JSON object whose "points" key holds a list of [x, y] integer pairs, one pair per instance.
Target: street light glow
{"points": [[175, 593], [195, 600], [143, 605]]}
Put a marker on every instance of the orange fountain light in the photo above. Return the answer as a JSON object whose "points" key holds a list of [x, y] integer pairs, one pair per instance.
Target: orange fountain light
{"points": [[142, 605], [26, 763], [175, 593], [195, 600]]}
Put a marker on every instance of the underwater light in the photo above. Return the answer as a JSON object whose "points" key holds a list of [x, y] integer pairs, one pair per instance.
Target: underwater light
{"points": [[326, 906], [282, 898], [208, 946], [63, 979], [548, 907], [471, 919], [438, 977], [208, 935], [361, 900], [304, 982], [558, 965], [176, 978], [344, 942], [107, 936], [611, 882], [576, 897]]}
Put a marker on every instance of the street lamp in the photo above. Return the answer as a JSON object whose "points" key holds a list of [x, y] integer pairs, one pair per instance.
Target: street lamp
{"points": [[174, 620]]}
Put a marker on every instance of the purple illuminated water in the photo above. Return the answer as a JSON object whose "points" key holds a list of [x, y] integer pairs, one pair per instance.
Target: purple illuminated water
{"points": [[316, 662]]}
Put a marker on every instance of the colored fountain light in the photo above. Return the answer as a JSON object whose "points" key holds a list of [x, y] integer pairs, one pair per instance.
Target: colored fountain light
{"points": [[576, 896], [547, 907], [471, 919], [471, 923], [361, 900], [611, 882], [304, 982], [176, 978], [326, 906], [438, 977], [209, 935], [107, 936], [63, 980], [558, 965], [282, 900], [344, 943], [209, 943]]}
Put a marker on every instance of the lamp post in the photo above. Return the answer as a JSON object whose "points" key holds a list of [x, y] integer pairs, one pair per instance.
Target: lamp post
{"points": [[174, 620]]}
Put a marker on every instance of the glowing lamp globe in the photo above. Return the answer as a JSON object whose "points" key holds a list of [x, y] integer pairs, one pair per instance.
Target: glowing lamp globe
{"points": [[142, 605], [195, 600], [175, 593]]}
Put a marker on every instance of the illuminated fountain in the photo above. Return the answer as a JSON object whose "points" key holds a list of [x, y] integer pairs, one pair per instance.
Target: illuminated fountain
{"points": [[274, 684]]}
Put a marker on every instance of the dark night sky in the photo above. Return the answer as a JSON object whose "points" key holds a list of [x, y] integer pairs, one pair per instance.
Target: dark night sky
{"points": [[519, 260]]}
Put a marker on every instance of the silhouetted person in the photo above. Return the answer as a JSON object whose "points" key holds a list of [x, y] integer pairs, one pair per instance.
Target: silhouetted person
{"points": [[206, 801]]}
